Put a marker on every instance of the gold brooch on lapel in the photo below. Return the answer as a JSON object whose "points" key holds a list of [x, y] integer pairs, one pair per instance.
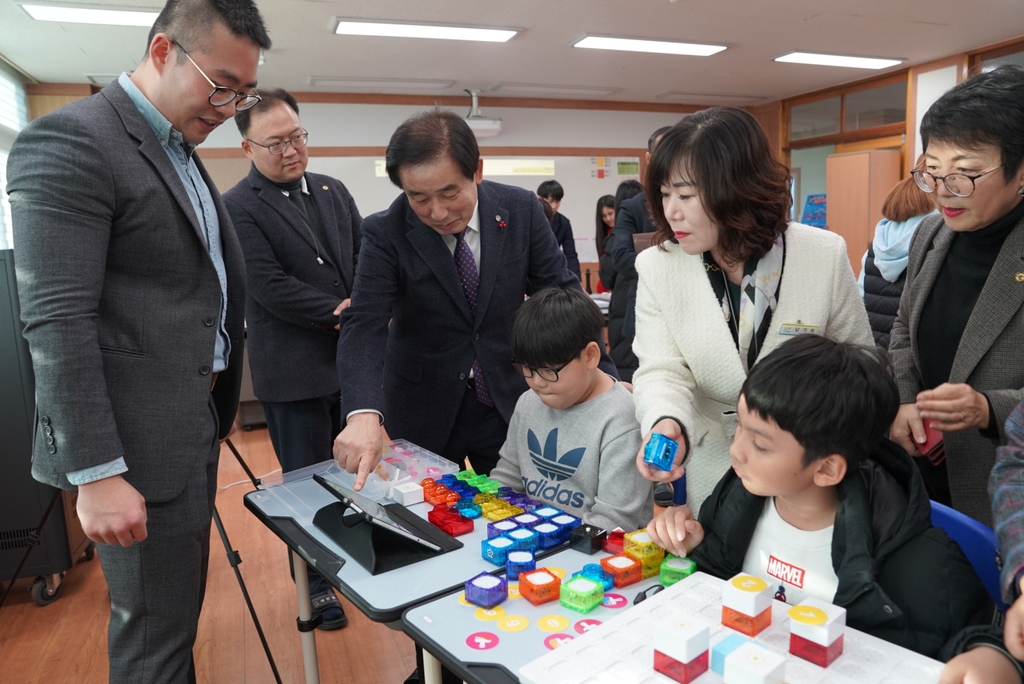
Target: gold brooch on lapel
{"points": [[324, 187], [1020, 277]]}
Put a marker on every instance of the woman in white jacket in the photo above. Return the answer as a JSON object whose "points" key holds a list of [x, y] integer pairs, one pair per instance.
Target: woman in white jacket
{"points": [[729, 280]]}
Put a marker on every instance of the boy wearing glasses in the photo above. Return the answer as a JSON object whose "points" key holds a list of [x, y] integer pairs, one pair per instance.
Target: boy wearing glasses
{"points": [[573, 438]]}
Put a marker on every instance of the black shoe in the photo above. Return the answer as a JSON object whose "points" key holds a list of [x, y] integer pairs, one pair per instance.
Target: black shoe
{"points": [[327, 606], [663, 494]]}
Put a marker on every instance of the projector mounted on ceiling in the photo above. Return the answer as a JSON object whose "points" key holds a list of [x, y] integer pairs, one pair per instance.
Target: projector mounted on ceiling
{"points": [[481, 126]]}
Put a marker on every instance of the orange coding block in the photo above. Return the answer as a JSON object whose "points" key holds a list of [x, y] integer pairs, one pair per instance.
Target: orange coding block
{"points": [[744, 624], [539, 586]]}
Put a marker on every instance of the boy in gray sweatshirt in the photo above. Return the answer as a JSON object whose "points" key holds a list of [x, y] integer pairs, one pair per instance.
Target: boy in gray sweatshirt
{"points": [[573, 439]]}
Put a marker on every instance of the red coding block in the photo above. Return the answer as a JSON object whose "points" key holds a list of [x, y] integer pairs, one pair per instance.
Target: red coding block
{"points": [[684, 673], [744, 624], [822, 656]]}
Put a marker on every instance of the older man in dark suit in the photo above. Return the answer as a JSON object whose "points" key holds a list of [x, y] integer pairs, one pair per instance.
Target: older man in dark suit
{"points": [[299, 233], [132, 287], [425, 344]]}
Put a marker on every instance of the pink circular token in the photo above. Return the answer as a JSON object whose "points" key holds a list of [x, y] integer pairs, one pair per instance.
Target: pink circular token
{"points": [[482, 641], [554, 641]]}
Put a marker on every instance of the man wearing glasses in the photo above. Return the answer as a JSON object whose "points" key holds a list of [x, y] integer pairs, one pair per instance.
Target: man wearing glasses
{"points": [[299, 233], [132, 286]]}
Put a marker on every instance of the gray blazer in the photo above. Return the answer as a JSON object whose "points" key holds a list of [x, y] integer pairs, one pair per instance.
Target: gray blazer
{"points": [[292, 342], [119, 297], [990, 357]]}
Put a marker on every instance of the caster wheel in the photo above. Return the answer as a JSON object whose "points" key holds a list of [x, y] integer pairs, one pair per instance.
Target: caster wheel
{"points": [[41, 594], [90, 551], [247, 428]]}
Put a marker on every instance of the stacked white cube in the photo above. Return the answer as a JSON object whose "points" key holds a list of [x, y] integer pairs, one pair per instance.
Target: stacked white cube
{"points": [[811, 626], [747, 594], [683, 639], [407, 494], [754, 664]]}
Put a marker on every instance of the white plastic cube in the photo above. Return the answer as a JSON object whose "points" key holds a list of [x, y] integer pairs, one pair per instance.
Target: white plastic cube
{"points": [[683, 639], [753, 664], [817, 621], [747, 594], [407, 494]]}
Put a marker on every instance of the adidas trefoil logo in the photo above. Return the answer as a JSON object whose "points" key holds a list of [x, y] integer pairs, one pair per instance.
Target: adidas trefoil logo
{"points": [[548, 462]]}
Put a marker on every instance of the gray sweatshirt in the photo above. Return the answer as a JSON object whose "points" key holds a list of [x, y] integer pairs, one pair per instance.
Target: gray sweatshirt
{"points": [[581, 459]]}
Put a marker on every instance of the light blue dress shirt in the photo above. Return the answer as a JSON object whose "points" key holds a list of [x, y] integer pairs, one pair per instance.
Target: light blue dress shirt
{"points": [[180, 154]]}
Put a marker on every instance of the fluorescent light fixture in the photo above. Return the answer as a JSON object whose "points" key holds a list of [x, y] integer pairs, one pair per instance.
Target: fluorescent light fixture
{"points": [[665, 47], [104, 79], [838, 60], [702, 98], [391, 85], [85, 15], [348, 27], [541, 89]]}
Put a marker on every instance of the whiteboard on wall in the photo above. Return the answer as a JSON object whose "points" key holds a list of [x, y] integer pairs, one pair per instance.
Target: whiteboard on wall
{"points": [[584, 179]]}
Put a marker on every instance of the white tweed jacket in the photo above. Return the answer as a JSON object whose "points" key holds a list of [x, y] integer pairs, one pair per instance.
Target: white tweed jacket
{"points": [[689, 366]]}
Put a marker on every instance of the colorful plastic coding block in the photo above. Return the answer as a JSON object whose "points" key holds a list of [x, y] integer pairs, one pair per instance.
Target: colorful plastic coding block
{"points": [[524, 538], [723, 648], [437, 494], [683, 647], [816, 631], [527, 519], [674, 568], [638, 544], [546, 512], [486, 590], [495, 550], [615, 541], [587, 539], [496, 529], [754, 664], [519, 561], [465, 475], [548, 535], [581, 594], [456, 525], [539, 586], [660, 452], [625, 570], [747, 604]]}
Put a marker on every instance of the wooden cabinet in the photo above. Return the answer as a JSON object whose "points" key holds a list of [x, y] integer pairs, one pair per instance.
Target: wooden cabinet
{"points": [[857, 184]]}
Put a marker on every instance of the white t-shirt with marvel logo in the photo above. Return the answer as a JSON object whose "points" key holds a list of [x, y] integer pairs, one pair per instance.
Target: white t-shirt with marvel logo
{"points": [[796, 562]]}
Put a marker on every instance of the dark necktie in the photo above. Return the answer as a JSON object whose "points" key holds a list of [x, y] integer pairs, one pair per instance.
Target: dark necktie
{"points": [[470, 278]]}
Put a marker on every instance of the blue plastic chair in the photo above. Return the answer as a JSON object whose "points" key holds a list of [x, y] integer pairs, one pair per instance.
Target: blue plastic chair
{"points": [[978, 543]]}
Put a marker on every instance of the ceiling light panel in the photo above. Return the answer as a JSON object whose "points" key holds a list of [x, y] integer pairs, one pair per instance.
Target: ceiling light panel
{"points": [[390, 85], [543, 89], [702, 98], [347, 27], [838, 60], [664, 47], [85, 15]]}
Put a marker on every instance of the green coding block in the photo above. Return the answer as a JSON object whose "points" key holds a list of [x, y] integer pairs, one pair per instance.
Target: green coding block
{"points": [[581, 594], [674, 568]]}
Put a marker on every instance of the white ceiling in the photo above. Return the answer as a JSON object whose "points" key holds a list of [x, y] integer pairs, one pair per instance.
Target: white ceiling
{"points": [[755, 31]]}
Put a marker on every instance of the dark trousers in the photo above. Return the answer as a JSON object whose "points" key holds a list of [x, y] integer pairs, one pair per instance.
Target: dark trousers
{"points": [[303, 433], [157, 586], [479, 433]]}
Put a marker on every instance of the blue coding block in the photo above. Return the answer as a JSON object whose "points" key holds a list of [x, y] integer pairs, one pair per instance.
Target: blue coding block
{"points": [[519, 561], [660, 452], [593, 571], [723, 648], [495, 550]]}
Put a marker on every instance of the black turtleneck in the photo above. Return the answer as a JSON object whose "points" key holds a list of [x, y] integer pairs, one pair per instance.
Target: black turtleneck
{"points": [[306, 207], [956, 291]]}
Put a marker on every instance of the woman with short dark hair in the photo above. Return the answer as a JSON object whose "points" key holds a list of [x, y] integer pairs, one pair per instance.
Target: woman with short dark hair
{"points": [[730, 279], [958, 341]]}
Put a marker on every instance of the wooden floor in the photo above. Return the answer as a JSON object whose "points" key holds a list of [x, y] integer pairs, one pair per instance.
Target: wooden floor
{"points": [[67, 640]]}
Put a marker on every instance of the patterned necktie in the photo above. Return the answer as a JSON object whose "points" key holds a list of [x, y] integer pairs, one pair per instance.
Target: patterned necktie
{"points": [[470, 278]]}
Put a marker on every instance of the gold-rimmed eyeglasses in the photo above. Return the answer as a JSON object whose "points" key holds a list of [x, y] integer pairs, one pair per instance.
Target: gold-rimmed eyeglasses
{"points": [[222, 95]]}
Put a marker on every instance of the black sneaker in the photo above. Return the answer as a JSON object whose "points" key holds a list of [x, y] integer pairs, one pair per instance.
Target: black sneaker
{"points": [[663, 494], [327, 606]]}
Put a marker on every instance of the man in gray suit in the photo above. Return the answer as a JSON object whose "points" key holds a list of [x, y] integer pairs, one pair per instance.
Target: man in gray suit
{"points": [[299, 233], [132, 290]]}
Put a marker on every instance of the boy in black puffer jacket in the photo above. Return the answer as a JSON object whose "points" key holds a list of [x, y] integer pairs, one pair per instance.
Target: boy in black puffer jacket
{"points": [[819, 501]]}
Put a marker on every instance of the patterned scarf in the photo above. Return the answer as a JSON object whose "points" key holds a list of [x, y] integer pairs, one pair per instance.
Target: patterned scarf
{"points": [[758, 299]]}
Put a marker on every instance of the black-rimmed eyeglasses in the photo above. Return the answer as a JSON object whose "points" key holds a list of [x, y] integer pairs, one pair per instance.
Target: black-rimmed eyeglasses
{"points": [[278, 148], [222, 95], [546, 374], [959, 184]]}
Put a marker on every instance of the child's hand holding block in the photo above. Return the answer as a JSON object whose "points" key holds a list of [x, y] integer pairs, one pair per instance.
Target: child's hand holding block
{"points": [[681, 649], [816, 631], [754, 664], [660, 452], [747, 604]]}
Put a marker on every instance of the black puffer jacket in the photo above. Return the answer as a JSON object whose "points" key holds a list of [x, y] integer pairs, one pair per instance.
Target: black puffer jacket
{"points": [[881, 299], [900, 579]]}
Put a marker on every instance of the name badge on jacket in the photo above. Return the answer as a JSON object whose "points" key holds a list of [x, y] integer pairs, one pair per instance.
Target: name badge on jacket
{"points": [[799, 328]]}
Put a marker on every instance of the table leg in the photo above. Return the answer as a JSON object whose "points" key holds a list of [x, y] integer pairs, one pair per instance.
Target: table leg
{"points": [[431, 668], [309, 661]]}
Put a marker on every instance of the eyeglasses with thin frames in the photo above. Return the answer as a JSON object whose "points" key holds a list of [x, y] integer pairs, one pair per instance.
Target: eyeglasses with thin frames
{"points": [[546, 374], [278, 148], [959, 184], [222, 95]]}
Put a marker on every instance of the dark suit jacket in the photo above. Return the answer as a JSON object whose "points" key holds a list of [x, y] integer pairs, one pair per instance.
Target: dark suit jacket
{"points": [[292, 341], [990, 357], [119, 297], [632, 218], [415, 371], [562, 229]]}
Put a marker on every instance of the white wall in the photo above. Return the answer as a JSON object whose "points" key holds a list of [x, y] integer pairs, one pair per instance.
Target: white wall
{"points": [[811, 162], [930, 87]]}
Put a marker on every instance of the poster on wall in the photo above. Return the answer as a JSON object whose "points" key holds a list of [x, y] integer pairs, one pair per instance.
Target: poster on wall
{"points": [[814, 211], [614, 167]]}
